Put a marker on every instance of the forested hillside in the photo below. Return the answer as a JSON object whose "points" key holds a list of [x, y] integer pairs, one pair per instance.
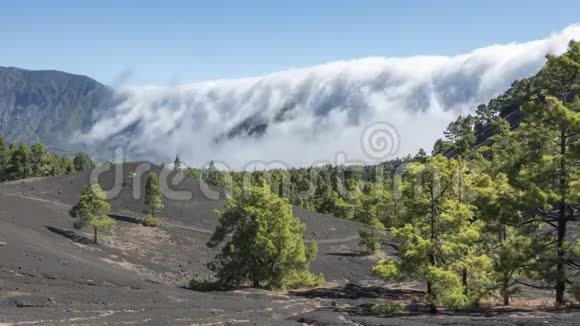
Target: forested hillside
{"points": [[18, 161]]}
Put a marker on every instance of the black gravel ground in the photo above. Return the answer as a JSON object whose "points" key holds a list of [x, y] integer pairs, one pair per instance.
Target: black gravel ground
{"points": [[51, 274]]}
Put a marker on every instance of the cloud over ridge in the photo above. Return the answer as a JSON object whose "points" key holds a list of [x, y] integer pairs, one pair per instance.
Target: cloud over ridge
{"points": [[303, 116]]}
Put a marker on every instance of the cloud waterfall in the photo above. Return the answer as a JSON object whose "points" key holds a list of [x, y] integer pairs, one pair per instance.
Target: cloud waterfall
{"points": [[304, 116]]}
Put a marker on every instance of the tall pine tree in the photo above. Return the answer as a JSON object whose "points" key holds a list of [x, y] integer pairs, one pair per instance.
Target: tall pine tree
{"points": [[153, 194], [549, 135], [4, 159], [20, 164], [439, 244], [92, 210]]}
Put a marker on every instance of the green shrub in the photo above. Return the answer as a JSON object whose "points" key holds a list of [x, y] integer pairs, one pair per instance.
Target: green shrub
{"points": [[302, 279], [262, 243], [151, 221], [389, 308]]}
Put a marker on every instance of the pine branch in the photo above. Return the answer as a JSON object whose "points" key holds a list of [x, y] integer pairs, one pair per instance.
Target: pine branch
{"points": [[551, 224], [534, 286]]}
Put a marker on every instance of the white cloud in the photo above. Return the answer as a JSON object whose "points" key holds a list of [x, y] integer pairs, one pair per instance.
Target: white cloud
{"points": [[314, 113]]}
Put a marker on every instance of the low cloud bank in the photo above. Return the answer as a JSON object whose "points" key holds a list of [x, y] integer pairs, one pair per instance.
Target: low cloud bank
{"points": [[303, 116]]}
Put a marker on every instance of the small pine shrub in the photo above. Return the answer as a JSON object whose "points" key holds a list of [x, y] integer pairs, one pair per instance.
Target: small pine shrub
{"points": [[389, 308], [151, 221], [301, 279]]}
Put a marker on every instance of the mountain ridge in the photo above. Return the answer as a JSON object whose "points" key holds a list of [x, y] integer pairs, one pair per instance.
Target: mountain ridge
{"points": [[48, 106]]}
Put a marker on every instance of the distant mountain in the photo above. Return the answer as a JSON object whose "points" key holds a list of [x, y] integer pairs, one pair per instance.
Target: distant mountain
{"points": [[48, 106]]}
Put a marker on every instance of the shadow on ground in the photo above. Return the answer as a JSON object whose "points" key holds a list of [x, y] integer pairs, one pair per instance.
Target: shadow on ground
{"points": [[353, 291], [417, 314], [127, 219], [347, 254], [70, 235]]}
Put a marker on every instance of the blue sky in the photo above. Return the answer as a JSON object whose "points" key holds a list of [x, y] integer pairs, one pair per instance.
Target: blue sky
{"points": [[184, 41]]}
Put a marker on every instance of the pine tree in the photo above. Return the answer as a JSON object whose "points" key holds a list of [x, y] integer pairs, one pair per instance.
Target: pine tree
{"points": [[67, 165], [511, 237], [4, 159], [439, 242], [18, 161], [342, 208], [366, 211], [372, 236], [266, 247], [324, 199], [153, 194], [92, 210], [177, 164], [460, 136], [485, 116], [550, 174], [83, 162], [440, 147], [390, 210], [421, 156], [215, 178], [40, 161], [54, 164], [20, 166]]}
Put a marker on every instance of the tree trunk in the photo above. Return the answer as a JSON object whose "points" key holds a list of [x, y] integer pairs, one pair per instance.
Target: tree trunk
{"points": [[432, 296], [96, 235], [505, 291], [257, 284], [460, 198], [506, 299], [561, 269], [464, 280], [562, 221]]}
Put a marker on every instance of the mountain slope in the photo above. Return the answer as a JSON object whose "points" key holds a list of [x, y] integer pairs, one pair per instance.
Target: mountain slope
{"points": [[48, 106]]}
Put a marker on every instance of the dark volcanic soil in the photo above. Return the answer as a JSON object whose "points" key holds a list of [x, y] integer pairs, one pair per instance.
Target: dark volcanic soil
{"points": [[187, 224], [51, 274]]}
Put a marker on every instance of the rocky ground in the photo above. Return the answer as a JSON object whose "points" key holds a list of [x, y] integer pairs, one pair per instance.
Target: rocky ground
{"points": [[51, 274]]}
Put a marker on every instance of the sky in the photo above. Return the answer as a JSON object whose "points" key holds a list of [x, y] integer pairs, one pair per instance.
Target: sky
{"points": [[175, 42]]}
